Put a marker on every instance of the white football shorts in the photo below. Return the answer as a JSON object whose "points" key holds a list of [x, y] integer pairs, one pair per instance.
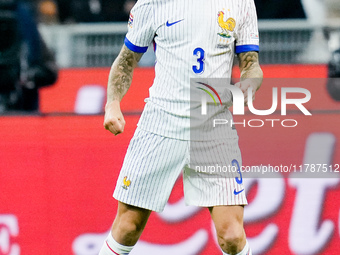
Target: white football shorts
{"points": [[152, 164]]}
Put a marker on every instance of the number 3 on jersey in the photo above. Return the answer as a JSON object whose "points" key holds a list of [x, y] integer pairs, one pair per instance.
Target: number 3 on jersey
{"points": [[198, 69]]}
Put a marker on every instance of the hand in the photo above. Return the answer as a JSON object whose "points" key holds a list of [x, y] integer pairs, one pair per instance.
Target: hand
{"points": [[114, 120], [245, 85]]}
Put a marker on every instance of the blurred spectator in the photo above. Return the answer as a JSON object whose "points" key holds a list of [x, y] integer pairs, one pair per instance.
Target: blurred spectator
{"points": [[128, 5], [333, 8], [86, 10], [333, 36], [332, 23], [279, 9], [94, 10], [114, 11], [26, 62], [48, 12], [315, 11], [64, 10], [333, 84], [9, 50]]}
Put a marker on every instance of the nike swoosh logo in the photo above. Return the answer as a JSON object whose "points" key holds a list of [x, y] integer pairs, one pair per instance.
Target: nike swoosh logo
{"points": [[237, 192], [173, 23]]}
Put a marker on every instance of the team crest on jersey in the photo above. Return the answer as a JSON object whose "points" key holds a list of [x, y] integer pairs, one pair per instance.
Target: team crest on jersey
{"points": [[130, 23], [227, 27], [126, 183]]}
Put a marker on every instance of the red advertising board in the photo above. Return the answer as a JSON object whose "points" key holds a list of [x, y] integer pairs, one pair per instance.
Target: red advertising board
{"points": [[57, 175]]}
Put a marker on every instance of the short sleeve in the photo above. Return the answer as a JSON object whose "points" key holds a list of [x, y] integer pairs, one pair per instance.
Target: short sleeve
{"points": [[140, 27], [248, 34]]}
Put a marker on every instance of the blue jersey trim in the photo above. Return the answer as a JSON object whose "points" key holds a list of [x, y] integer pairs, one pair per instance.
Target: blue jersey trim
{"points": [[246, 48], [135, 48]]}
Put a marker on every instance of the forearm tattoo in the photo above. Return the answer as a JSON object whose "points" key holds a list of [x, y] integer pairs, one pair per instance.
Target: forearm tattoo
{"points": [[121, 74], [248, 59], [250, 68]]}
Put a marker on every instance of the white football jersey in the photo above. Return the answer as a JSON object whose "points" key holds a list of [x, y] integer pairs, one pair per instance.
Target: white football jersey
{"points": [[192, 39]]}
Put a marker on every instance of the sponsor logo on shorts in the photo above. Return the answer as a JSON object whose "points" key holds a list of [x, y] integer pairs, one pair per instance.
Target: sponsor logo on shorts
{"points": [[239, 178], [126, 183], [237, 192]]}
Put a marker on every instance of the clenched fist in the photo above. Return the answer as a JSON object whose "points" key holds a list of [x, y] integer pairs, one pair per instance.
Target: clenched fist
{"points": [[114, 120], [247, 84]]}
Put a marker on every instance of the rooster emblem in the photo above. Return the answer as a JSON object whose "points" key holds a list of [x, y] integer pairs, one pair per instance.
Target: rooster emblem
{"points": [[227, 26], [126, 183]]}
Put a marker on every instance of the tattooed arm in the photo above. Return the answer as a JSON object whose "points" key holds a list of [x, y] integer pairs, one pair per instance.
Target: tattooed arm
{"points": [[120, 78], [251, 73]]}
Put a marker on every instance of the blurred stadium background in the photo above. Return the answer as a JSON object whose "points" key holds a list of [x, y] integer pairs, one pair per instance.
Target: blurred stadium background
{"points": [[58, 167]]}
